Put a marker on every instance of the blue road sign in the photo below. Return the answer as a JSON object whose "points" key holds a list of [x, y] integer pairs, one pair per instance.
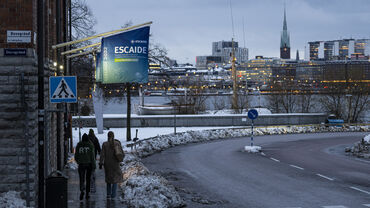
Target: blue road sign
{"points": [[63, 89], [252, 114]]}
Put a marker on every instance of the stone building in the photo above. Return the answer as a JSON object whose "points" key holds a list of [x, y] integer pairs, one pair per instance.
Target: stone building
{"points": [[32, 135]]}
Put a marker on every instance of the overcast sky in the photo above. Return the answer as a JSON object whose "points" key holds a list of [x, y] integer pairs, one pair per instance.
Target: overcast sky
{"points": [[187, 28]]}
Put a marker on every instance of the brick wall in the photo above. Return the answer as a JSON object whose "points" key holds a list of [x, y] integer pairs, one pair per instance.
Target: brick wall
{"points": [[19, 125]]}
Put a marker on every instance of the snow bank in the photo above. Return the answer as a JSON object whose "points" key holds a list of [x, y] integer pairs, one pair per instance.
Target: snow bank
{"points": [[145, 189], [71, 163], [360, 149], [12, 199], [141, 188], [253, 149], [156, 144], [367, 139]]}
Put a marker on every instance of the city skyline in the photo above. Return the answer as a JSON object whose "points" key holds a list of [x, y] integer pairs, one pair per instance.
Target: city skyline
{"points": [[188, 28]]}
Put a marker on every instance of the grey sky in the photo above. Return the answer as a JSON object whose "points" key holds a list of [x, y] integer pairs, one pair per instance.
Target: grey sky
{"points": [[187, 28]]}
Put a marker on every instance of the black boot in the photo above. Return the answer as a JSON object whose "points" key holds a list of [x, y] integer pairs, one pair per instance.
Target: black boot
{"points": [[82, 195]]}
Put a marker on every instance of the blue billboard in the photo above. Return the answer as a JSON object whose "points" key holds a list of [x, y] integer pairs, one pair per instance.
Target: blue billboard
{"points": [[124, 57]]}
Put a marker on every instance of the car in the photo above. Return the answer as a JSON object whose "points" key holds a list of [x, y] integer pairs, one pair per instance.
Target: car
{"points": [[332, 119]]}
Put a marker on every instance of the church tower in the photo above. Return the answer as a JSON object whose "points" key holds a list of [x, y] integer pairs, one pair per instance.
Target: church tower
{"points": [[285, 40]]}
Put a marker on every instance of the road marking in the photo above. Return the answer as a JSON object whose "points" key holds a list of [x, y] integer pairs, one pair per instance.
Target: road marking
{"points": [[276, 160], [322, 176], [357, 189], [294, 166], [366, 205], [358, 159], [335, 206]]}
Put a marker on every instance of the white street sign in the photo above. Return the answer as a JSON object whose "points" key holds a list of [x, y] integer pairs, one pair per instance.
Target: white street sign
{"points": [[18, 36]]}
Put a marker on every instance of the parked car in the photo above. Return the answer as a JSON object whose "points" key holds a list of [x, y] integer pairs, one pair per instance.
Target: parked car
{"points": [[333, 119]]}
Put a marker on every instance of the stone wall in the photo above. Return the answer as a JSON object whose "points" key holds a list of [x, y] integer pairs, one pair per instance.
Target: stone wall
{"points": [[19, 125]]}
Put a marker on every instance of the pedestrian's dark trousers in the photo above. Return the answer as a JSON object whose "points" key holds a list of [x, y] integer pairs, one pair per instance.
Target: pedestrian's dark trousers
{"points": [[84, 171]]}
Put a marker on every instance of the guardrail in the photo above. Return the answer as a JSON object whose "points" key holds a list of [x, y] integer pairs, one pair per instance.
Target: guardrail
{"points": [[119, 121]]}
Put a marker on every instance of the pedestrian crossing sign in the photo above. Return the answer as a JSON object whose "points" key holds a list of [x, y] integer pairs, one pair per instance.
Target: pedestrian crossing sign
{"points": [[63, 89]]}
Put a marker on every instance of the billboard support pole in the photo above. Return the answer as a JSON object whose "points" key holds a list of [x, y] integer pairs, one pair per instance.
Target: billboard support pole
{"points": [[128, 117]]}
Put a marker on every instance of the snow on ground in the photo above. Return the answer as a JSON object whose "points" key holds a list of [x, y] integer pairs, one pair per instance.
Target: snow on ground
{"points": [[252, 149], [12, 199], [143, 133], [367, 138], [145, 189]]}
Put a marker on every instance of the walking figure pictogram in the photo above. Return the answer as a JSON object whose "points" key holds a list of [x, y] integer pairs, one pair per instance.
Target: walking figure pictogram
{"points": [[63, 88]]}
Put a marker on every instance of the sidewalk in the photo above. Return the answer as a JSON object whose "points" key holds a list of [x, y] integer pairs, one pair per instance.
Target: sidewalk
{"points": [[96, 200]]}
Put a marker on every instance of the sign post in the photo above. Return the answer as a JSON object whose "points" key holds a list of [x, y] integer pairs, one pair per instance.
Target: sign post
{"points": [[252, 114]]}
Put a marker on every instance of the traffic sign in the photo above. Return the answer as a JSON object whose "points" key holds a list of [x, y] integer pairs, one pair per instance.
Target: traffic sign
{"points": [[63, 89], [252, 114]]}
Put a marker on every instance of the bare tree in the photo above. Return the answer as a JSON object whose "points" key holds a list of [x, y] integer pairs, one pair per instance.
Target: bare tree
{"points": [[82, 20], [358, 101], [333, 101], [242, 102], [304, 102], [194, 99], [158, 54], [219, 103]]}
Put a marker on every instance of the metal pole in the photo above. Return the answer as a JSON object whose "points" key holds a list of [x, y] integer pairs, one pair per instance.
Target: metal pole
{"points": [[252, 135], [40, 73], [174, 121], [59, 63], [128, 117], [101, 35], [233, 70]]}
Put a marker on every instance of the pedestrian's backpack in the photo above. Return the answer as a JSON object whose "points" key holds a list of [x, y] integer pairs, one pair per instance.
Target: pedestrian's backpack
{"points": [[118, 151]]}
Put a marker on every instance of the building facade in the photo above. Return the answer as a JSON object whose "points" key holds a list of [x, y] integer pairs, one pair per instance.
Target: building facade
{"points": [[32, 134], [224, 50], [344, 49]]}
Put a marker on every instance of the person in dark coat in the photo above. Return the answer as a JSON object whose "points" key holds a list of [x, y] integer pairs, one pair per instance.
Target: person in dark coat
{"points": [[113, 172], [85, 158], [96, 144]]}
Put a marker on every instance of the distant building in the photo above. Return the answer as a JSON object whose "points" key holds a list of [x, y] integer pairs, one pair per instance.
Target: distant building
{"points": [[224, 50], [285, 41], [345, 49], [258, 71], [206, 61]]}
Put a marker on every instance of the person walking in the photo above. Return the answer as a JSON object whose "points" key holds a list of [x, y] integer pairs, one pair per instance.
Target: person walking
{"points": [[85, 158], [108, 159], [97, 149]]}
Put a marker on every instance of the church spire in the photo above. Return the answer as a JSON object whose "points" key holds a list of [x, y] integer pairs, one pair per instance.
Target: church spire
{"points": [[285, 40]]}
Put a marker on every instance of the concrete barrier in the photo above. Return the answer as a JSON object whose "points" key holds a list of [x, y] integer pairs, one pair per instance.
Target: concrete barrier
{"points": [[119, 121]]}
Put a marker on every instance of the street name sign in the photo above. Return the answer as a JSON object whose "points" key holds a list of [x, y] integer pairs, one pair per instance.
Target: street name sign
{"points": [[18, 36], [63, 89]]}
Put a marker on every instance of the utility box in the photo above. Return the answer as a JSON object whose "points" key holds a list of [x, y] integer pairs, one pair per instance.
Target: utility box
{"points": [[56, 190]]}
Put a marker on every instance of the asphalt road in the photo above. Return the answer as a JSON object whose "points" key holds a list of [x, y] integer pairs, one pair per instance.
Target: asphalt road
{"points": [[302, 170]]}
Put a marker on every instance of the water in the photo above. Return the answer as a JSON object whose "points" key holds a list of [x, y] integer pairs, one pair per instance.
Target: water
{"points": [[119, 105]]}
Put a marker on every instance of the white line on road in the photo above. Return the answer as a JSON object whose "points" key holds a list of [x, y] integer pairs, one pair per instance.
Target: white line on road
{"points": [[322, 176], [294, 166], [276, 160], [366, 205], [357, 189], [335, 206]]}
